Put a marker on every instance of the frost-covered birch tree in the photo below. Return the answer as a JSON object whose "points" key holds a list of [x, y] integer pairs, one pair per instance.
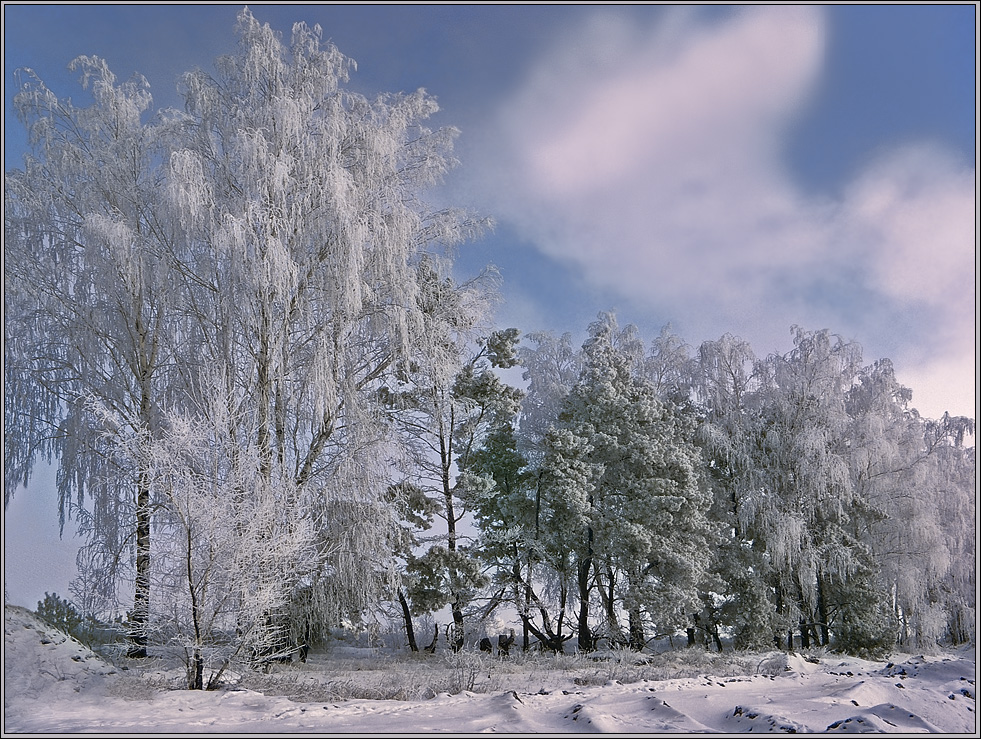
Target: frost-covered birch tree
{"points": [[826, 482], [727, 391], [226, 556], [806, 498], [914, 475], [669, 368], [89, 314], [550, 367], [305, 205]]}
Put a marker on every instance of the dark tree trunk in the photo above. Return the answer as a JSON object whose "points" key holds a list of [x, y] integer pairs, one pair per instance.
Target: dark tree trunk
{"points": [[585, 633], [636, 626], [805, 635], [195, 677], [778, 596], [407, 615], [525, 632], [822, 605], [608, 600], [140, 617], [455, 632], [458, 633], [195, 672], [716, 638]]}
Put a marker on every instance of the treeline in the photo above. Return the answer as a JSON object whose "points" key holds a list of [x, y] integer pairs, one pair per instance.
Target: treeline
{"points": [[233, 328], [649, 490]]}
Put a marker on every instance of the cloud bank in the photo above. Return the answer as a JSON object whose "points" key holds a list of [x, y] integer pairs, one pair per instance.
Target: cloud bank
{"points": [[652, 159]]}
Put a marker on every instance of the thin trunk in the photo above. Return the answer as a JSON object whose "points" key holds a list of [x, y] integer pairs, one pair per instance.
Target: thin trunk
{"points": [[140, 616], [140, 619], [778, 597], [264, 438], [822, 605], [560, 619], [195, 672], [551, 639], [636, 626], [446, 461], [609, 604], [407, 615], [583, 571], [716, 638], [525, 601], [525, 633], [529, 591], [458, 632]]}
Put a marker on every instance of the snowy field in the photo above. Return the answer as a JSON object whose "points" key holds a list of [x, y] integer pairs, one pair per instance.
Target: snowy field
{"points": [[53, 684]]}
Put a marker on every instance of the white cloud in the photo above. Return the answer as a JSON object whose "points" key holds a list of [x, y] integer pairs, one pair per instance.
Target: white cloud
{"points": [[916, 209], [695, 105], [651, 158], [944, 385]]}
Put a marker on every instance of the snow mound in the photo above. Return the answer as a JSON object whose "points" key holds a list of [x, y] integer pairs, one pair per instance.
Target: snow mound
{"points": [[802, 665], [744, 719], [41, 661], [934, 669], [782, 664], [884, 718], [859, 725]]}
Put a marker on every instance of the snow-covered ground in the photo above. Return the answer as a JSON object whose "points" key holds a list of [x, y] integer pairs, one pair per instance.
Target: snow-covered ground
{"points": [[53, 684]]}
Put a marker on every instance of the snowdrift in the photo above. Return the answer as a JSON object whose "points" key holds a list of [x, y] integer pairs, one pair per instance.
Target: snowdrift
{"points": [[54, 684]]}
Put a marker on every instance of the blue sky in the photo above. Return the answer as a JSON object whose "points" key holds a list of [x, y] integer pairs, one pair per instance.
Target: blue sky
{"points": [[723, 169]]}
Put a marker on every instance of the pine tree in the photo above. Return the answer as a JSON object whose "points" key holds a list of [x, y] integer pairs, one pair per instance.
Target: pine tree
{"points": [[623, 484], [442, 407]]}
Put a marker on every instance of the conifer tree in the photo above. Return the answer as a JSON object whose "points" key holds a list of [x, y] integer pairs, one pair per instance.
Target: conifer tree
{"points": [[623, 483]]}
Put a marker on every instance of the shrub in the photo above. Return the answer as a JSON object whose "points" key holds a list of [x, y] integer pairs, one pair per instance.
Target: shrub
{"points": [[64, 616]]}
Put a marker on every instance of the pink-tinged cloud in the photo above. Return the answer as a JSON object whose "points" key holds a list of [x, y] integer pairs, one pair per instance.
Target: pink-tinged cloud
{"points": [[677, 104], [916, 208], [664, 157], [651, 158]]}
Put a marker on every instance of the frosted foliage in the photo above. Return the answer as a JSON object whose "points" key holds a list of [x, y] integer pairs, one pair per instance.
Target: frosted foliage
{"points": [[621, 482], [551, 368], [316, 226], [325, 176], [237, 546], [89, 302], [668, 366], [206, 307], [723, 375], [312, 231], [188, 189], [803, 484], [828, 481]]}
